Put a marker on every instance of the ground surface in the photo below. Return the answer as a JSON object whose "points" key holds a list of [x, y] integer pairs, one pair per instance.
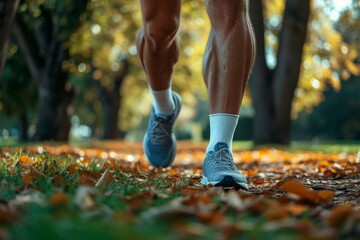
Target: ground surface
{"points": [[109, 191]]}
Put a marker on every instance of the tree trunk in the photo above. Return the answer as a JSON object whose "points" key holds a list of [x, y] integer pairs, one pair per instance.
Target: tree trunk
{"points": [[273, 91], [7, 12], [260, 80], [54, 88], [43, 41], [54, 119], [111, 102]]}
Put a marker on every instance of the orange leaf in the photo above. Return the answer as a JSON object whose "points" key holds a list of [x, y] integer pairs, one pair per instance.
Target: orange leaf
{"points": [[328, 173], [326, 195], [252, 173], [294, 186], [25, 159], [258, 181], [58, 199], [296, 209]]}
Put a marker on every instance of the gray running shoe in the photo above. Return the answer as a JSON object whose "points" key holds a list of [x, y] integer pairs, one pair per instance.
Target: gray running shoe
{"points": [[159, 140], [220, 170]]}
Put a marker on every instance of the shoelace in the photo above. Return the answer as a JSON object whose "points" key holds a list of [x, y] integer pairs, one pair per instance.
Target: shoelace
{"points": [[222, 159], [160, 132]]}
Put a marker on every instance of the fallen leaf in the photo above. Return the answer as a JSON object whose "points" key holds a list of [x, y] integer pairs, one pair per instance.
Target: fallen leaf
{"points": [[276, 213], [326, 195], [295, 187], [232, 198], [58, 198], [339, 214], [194, 229], [59, 180], [7, 217], [105, 179], [85, 198], [25, 159]]}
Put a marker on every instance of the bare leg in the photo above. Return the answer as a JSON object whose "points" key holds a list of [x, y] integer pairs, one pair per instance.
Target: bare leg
{"points": [[229, 54], [159, 51], [228, 59], [157, 47]]}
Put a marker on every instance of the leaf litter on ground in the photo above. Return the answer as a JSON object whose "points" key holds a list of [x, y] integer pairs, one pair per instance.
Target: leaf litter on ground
{"points": [[302, 194]]}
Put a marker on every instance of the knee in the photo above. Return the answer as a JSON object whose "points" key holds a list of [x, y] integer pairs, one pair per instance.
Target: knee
{"points": [[160, 33], [226, 14]]}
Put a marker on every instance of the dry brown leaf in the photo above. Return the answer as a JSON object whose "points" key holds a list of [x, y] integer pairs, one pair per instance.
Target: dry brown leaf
{"points": [[339, 214], [88, 178], [296, 209], [194, 229], [105, 179], [326, 196], [58, 198], [276, 213], [59, 180], [28, 178], [191, 190], [295, 187], [213, 218], [72, 168], [232, 198], [7, 217], [258, 181]]}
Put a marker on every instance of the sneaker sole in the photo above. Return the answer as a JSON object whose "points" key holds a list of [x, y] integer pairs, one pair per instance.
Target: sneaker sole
{"points": [[226, 182]]}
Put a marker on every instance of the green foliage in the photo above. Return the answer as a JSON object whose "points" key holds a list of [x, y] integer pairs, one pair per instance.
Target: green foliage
{"points": [[329, 53], [330, 119], [17, 89]]}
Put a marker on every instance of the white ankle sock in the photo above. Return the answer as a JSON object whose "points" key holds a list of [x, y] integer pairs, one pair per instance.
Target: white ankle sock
{"points": [[163, 102], [222, 128]]}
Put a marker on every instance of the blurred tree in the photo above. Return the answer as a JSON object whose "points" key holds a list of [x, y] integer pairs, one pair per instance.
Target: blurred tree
{"points": [[272, 91], [323, 124], [7, 13], [17, 91], [313, 55], [42, 29], [342, 50]]}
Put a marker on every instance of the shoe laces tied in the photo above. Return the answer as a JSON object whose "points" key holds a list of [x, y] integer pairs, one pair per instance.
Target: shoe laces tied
{"points": [[222, 159], [161, 130]]}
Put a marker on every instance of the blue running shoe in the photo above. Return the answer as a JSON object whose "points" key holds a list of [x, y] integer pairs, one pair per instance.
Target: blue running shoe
{"points": [[159, 140], [220, 170]]}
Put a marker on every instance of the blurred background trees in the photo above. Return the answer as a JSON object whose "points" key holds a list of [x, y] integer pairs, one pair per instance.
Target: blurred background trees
{"points": [[7, 12], [72, 69]]}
